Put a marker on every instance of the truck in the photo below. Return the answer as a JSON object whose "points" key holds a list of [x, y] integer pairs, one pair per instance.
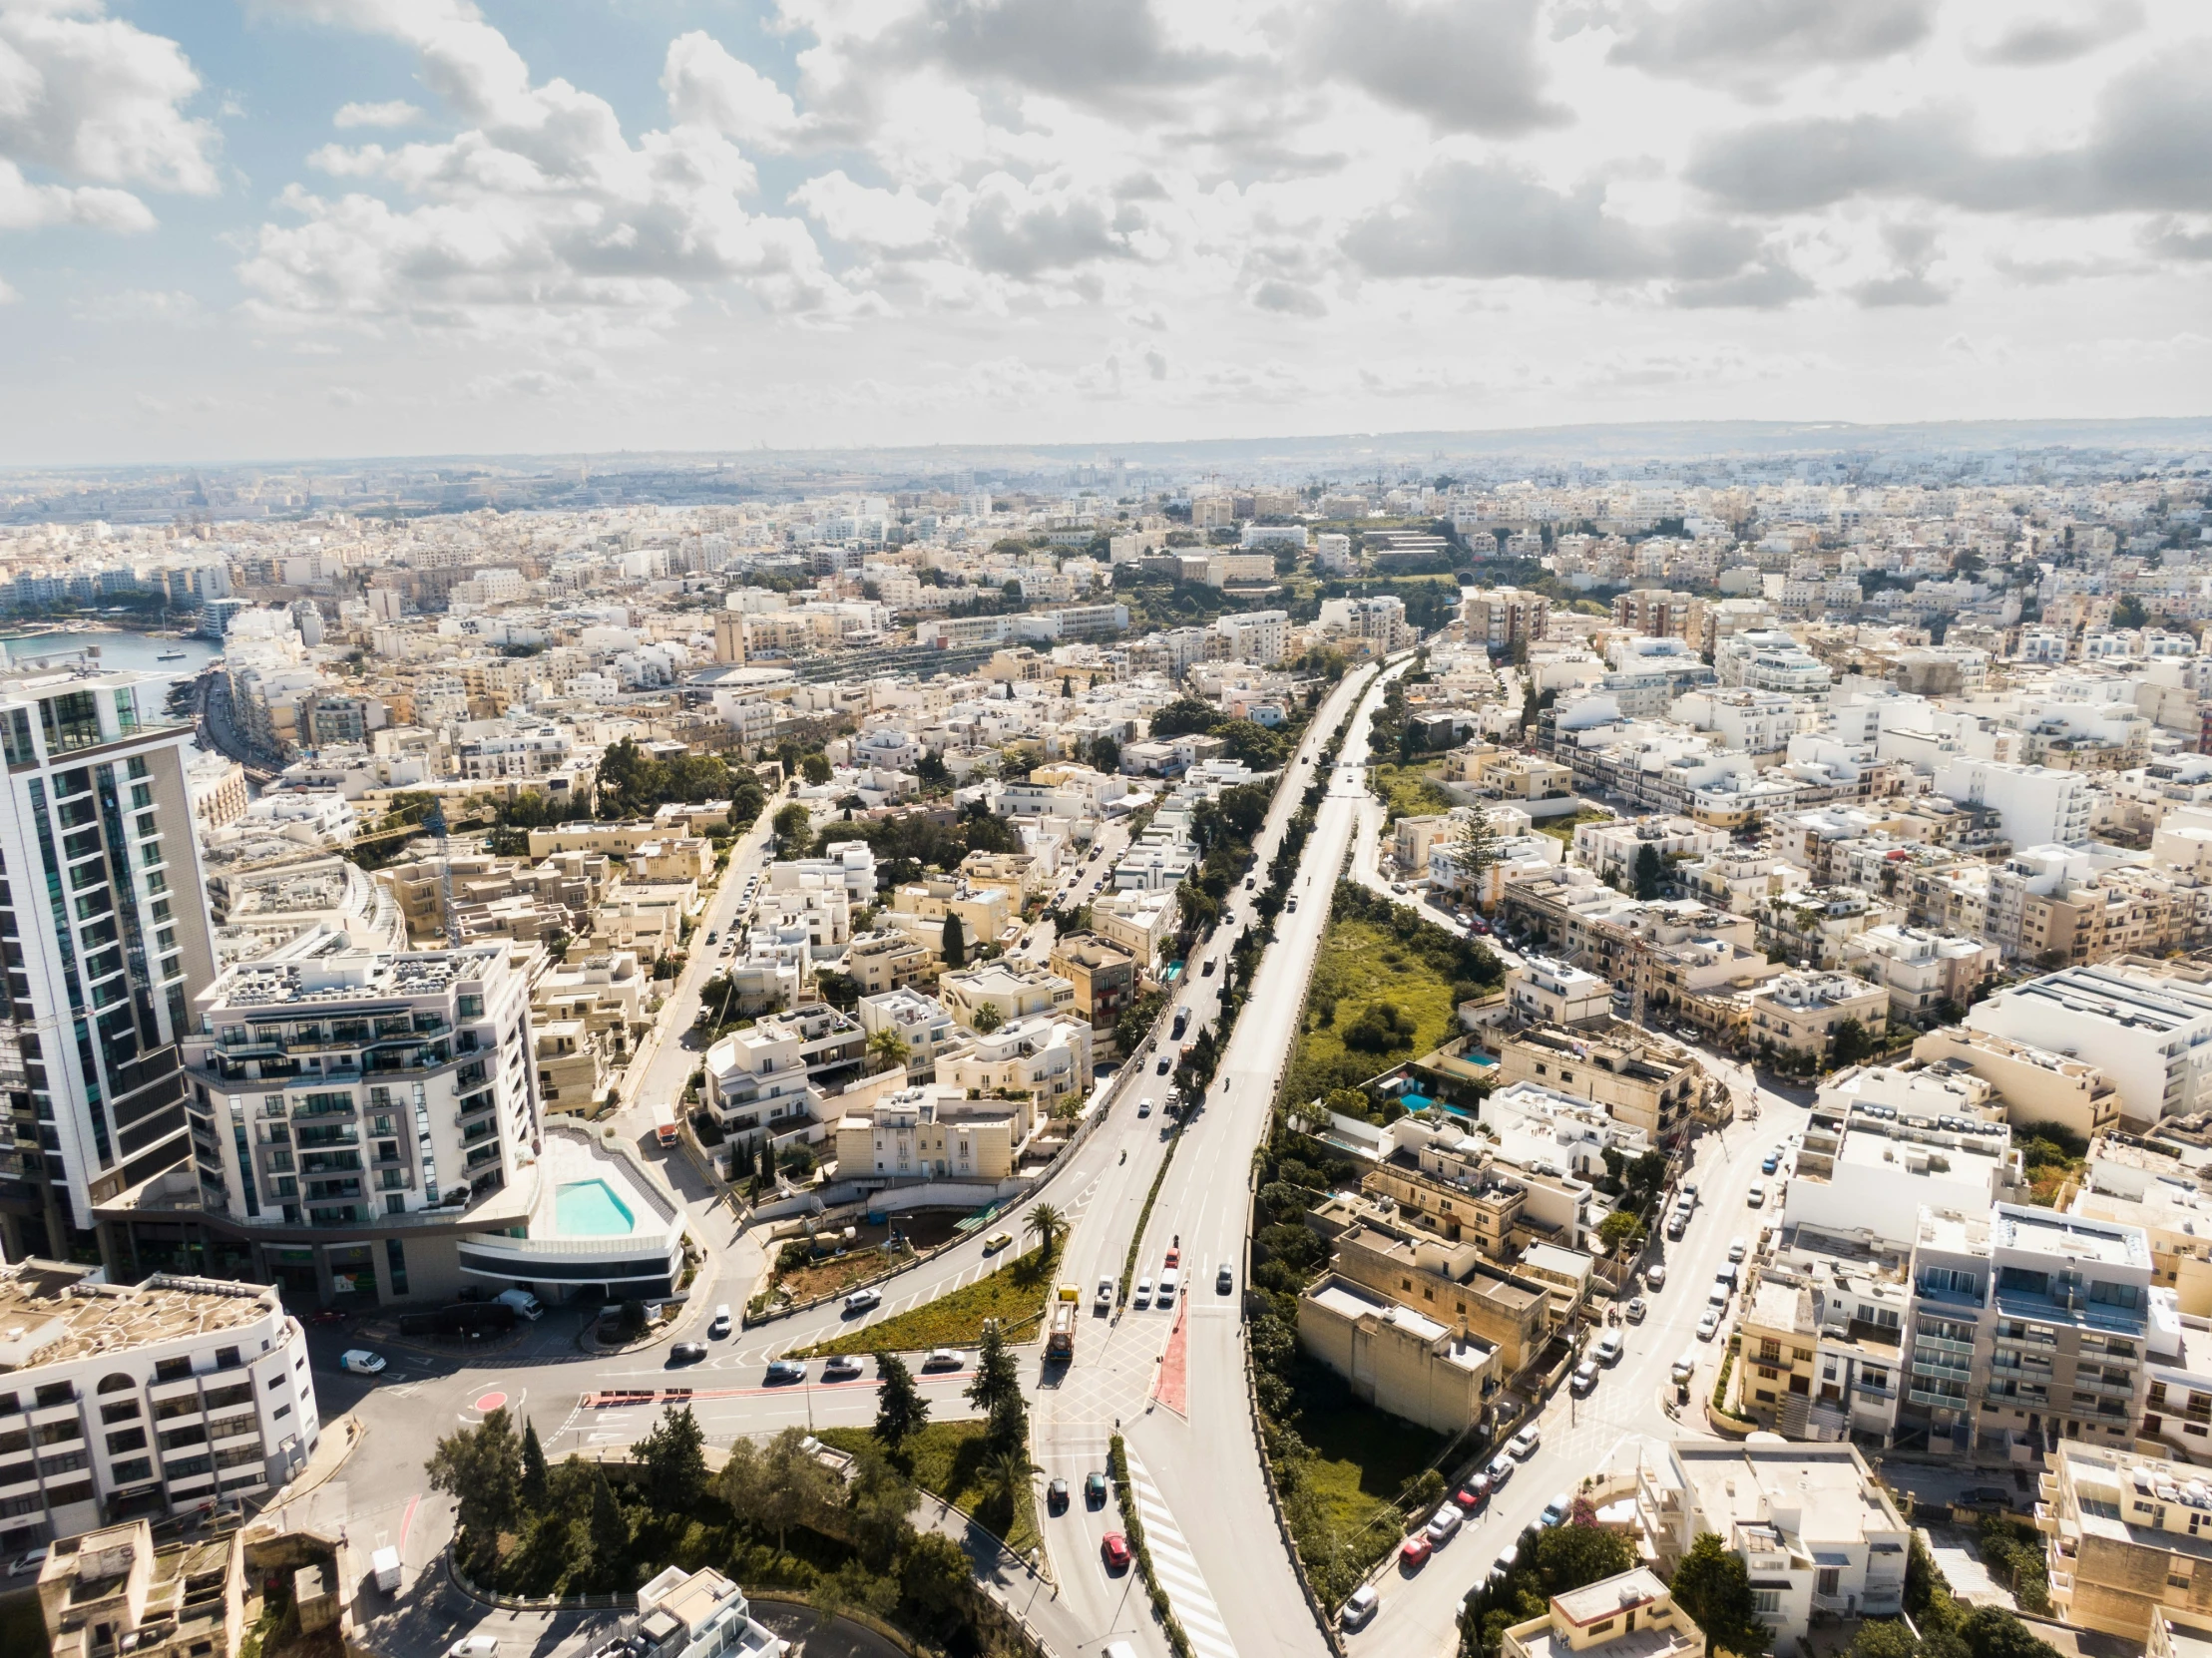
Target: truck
{"points": [[525, 1304], [1059, 1340], [384, 1565], [1183, 1022], [664, 1122]]}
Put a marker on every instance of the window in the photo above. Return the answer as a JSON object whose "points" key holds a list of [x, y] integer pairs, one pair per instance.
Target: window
{"points": [[71, 720], [2114, 1295]]}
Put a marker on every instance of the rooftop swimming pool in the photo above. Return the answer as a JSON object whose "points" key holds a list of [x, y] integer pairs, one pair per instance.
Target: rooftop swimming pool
{"points": [[590, 1209]]}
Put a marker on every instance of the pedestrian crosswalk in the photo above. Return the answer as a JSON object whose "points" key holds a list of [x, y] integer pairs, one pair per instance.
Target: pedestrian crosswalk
{"points": [[1177, 1568]]}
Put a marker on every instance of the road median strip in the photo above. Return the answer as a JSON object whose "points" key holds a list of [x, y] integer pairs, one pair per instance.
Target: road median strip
{"points": [[1133, 1527]]}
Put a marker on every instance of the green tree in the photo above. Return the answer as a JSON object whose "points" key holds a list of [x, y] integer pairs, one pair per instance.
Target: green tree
{"points": [[794, 830], [935, 1579], [996, 1391], [952, 942], [531, 1488], [1712, 1587], [1007, 1474], [675, 1459], [1617, 1229], [479, 1468], [1992, 1632], [987, 1018], [777, 1486], [1183, 717], [815, 768], [877, 1502], [1651, 871], [610, 1526], [887, 1051], [1852, 1043], [1888, 1638], [1570, 1556], [901, 1410], [1105, 755]]}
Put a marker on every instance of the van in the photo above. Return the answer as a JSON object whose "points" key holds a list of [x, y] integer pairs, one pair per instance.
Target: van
{"points": [[384, 1566], [1726, 1275], [1685, 1368], [525, 1304], [1610, 1348]]}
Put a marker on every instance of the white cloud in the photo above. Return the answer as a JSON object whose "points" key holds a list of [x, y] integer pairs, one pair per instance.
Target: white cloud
{"points": [[97, 99], [397, 113], [538, 218], [160, 306]]}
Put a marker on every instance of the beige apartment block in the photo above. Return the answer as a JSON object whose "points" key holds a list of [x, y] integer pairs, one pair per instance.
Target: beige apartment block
{"points": [[572, 1065], [1012, 993], [2032, 1083], [1633, 1615], [1799, 1012], [1449, 1282], [888, 960], [1642, 1081], [2128, 1540], [1104, 972], [1396, 1359], [930, 1132], [117, 1591]]}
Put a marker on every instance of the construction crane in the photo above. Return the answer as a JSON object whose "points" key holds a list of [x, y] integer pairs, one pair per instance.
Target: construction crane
{"points": [[434, 823]]}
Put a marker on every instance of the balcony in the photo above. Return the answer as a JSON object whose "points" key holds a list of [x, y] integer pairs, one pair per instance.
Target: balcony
{"points": [[1942, 1344], [2106, 1389], [1937, 1401], [2024, 1400]]}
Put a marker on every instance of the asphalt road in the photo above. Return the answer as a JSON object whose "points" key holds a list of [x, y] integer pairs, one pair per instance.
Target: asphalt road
{"points": [[1209, 1524]]}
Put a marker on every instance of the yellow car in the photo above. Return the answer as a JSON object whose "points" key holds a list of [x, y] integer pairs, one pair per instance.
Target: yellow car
{"points": [[996, 1242]]}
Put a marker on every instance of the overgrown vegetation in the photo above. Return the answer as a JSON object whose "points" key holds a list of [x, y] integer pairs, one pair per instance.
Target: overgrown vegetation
{"points": [[775, 1517], [1013, 1296], [2054, 1155], [632, 784], [908, 843], [1387, 986], [1409, 791], [1947, 1629]]}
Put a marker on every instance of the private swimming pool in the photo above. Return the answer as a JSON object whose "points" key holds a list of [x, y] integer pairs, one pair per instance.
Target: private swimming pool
{"points": [[590, 1209]]}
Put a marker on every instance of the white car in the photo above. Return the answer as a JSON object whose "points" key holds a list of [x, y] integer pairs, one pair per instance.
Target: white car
{"points": [[360, 1361], [719, 1326], [1737, 1248], [860, 1301], [473, 1646], [25, 1564], [1654, 1279], [1144, 1295], [1522, 1444], [1756, 1197], [1708, 1325]]}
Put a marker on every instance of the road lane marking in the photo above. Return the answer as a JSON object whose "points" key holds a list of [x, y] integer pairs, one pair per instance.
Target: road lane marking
{"points": [[1177, 1568]]}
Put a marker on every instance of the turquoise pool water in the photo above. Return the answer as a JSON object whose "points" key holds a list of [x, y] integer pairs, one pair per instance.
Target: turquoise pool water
{"points": [[590, 1209]]}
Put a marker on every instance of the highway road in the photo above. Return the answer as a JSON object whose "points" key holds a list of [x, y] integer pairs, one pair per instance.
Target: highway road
{"points": [[1196, 1468]]}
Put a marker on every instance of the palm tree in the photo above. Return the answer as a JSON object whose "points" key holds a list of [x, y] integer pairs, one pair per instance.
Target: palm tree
{"points": [[1007, 1475], [1047, 1226], [886, 1049]]}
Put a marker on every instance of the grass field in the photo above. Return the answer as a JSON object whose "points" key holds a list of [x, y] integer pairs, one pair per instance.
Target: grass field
{"points": [[1362, 966], [948, 1457], [1563, 828], [1013, 1295], [1345, 1509], [1409, 791]]}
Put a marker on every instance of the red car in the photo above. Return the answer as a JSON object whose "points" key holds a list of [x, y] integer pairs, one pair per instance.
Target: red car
{"points": [[1474, 1494], [1414, 1553], [1174, 1260], [1117, 1551]]}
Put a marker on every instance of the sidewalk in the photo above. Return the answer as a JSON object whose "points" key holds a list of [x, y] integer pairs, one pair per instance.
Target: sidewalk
{"points": [[340, 1438], [1003, 1575]]}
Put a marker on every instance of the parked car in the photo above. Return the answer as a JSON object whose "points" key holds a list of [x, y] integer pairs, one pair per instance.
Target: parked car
{"points": [[1635, 1309], [1585, 1376], [1717, 1296], [1654, 1279], [24, 1566], [861, 1301], [1106, 1295], [1737, 1248], [843, 1368], [686, 1352], [1708, 1324], [1507, 1560], [1500, 1471], [474, 1646], [786, 1370], [1445, 1525], [1359, 1610], [1610, 1348], [1055, 1496], [360, 1361], [942, 1358], [1474, 1494], [1688, 1189], [1115, 1548], [1684, 1367], [1555, 1512], [719, 1326], [1756, 1197], [1769, 1163], [1524, 1445], [1414, 1553], [1984, 1496]]}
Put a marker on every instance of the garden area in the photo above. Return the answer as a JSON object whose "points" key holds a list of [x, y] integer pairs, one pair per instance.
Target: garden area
{"points": [[1387, 986], [1409, 791], [775, 1517]]}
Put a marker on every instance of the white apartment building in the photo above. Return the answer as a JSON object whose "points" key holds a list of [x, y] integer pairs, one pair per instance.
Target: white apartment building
{"points": [[2037, 805], [1542, 991], [1045, 1055], [1261, 637], [1812, 1526], [919, 1020], [1012, 993], [1769, 660], [1884, 1143], [1757, 722], [770, 1078], [2148, 1030], [103, 903], [149, 1400], [847, 864], [700, 1615], [1919, 968]]}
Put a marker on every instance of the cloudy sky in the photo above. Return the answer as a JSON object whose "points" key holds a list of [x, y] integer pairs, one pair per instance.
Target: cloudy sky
{"points": [[234, 228]]}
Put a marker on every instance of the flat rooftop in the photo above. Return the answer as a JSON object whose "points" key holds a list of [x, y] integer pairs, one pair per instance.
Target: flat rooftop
{"points": [[1748, 1485], [1350, 1301], [50, 1312], [2068, 1237], [343, 975]]}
